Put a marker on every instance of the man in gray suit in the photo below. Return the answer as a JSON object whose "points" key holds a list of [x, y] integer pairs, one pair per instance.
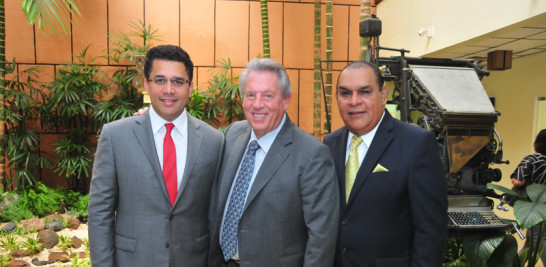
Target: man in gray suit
{"points": [[152, 176], [278, 199]]}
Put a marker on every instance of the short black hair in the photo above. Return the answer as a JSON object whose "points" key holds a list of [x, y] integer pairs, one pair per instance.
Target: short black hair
{"points": [[540, 142], [171, 53], [365, 64]]}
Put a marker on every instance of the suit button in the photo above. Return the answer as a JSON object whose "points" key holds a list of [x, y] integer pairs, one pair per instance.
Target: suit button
{"points": [[344, 251], [344, 222], [166, 245], [171, 217]]}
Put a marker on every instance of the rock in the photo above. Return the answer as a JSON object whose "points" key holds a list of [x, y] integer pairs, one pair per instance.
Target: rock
{"points": [[8, 228], [48, 238], [58, 256], [38, 262], [8, 200], [18, 254], [74, 223], [55, 226], [54, 218], [33, 223], [19, 263], [62, 207], [76, 242], [72, 213]]}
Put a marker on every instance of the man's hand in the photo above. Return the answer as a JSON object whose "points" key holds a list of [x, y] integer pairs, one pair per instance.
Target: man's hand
{"points": [[141, 111]]}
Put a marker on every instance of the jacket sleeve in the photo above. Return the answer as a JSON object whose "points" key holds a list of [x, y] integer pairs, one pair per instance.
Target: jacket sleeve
{"points": [[428, 199], [320, 200], [103, 197]]}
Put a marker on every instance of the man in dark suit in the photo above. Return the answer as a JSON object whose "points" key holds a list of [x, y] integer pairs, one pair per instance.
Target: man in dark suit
{"points": [[152, 176], [287, 212], [393, 190]]}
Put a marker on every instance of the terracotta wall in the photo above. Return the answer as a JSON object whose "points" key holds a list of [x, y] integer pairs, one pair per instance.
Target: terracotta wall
{"points": [[209, 30]]}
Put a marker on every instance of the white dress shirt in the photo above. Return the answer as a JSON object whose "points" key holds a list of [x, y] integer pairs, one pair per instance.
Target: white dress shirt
{"points": [[366, 142], [179, 135]]}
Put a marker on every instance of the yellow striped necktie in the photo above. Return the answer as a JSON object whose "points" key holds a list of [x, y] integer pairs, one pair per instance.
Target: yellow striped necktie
{"points": [[352, 166]]}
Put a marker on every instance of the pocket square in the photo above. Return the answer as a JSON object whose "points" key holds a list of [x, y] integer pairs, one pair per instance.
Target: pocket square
{"points": [[380, 168]]}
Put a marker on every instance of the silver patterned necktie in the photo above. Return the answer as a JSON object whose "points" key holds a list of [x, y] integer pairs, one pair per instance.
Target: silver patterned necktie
{"points": [[229, 237]]}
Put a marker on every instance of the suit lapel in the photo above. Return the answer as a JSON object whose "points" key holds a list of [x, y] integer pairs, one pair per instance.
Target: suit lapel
{"points": [[340, 149], [144, 135], [275, 157], [381, 140], [195, 140], [232, 158]]}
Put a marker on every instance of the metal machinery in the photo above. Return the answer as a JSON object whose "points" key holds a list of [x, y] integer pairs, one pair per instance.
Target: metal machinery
{"points": [[446, 96]]}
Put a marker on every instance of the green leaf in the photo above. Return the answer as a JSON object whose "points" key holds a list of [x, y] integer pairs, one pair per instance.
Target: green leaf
{"points": [[529, 214], [478, 246]]}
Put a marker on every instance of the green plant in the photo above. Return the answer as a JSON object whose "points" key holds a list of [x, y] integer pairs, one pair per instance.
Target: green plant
{"points": [[73, 97], [5, 260], [32, 245], [65, 242], [124, 47], [226, 100], [85, 242], [9, 244], [18, 211], [75, 260], [123, 102], [529, 212], [22, 97]]}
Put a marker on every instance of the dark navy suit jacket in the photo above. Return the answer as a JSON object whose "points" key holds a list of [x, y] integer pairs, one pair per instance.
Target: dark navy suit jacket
{"points": [[396, 217]]}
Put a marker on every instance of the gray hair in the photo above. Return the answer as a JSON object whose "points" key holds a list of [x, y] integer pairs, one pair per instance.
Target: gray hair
{"points": [[266, 64]]}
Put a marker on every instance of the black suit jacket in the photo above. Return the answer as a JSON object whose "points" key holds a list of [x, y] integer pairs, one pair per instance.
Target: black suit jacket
{"points": [[396, 217]]}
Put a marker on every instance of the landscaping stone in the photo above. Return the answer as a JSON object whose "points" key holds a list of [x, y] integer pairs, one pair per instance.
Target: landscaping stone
{"points": [[58, 256], [72, 213], [8, 228], [54, 218], [48, 238], [76, 242], [55, 226], [18, 254], [38, 262], [19, 263], [33, 223], [74, 223], [7, 201]]}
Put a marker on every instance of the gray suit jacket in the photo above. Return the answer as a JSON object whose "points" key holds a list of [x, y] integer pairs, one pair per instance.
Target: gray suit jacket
{"points": [[131, 221], [291, 215]]}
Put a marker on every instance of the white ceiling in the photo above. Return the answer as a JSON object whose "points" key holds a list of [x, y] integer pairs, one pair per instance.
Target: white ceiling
{"points": [[524, 39]]}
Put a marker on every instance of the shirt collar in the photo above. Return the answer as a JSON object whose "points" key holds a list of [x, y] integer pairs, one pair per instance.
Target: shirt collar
{"points": [[367, 137], [181, 122], [267, 140]]}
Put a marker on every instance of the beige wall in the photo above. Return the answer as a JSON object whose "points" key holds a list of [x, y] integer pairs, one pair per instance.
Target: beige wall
{"points": [[516, 92], [453, 21]]}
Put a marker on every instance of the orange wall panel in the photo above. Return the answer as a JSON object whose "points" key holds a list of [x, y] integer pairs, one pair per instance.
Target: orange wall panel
{"points": [[120, 16], [341, 36], [197, 30], [298, 35], [306, 101], [232, 23], [354, 37], [166, 18], [293, 108], [275, 30], [91, 29], [54, 49], [19, 34]]}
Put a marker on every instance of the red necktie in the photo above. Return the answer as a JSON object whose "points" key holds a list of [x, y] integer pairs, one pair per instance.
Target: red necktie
{"points": [[169, 164]]}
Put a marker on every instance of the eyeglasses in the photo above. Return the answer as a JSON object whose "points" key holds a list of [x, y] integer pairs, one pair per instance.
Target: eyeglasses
{"points": [[176, 82]]}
